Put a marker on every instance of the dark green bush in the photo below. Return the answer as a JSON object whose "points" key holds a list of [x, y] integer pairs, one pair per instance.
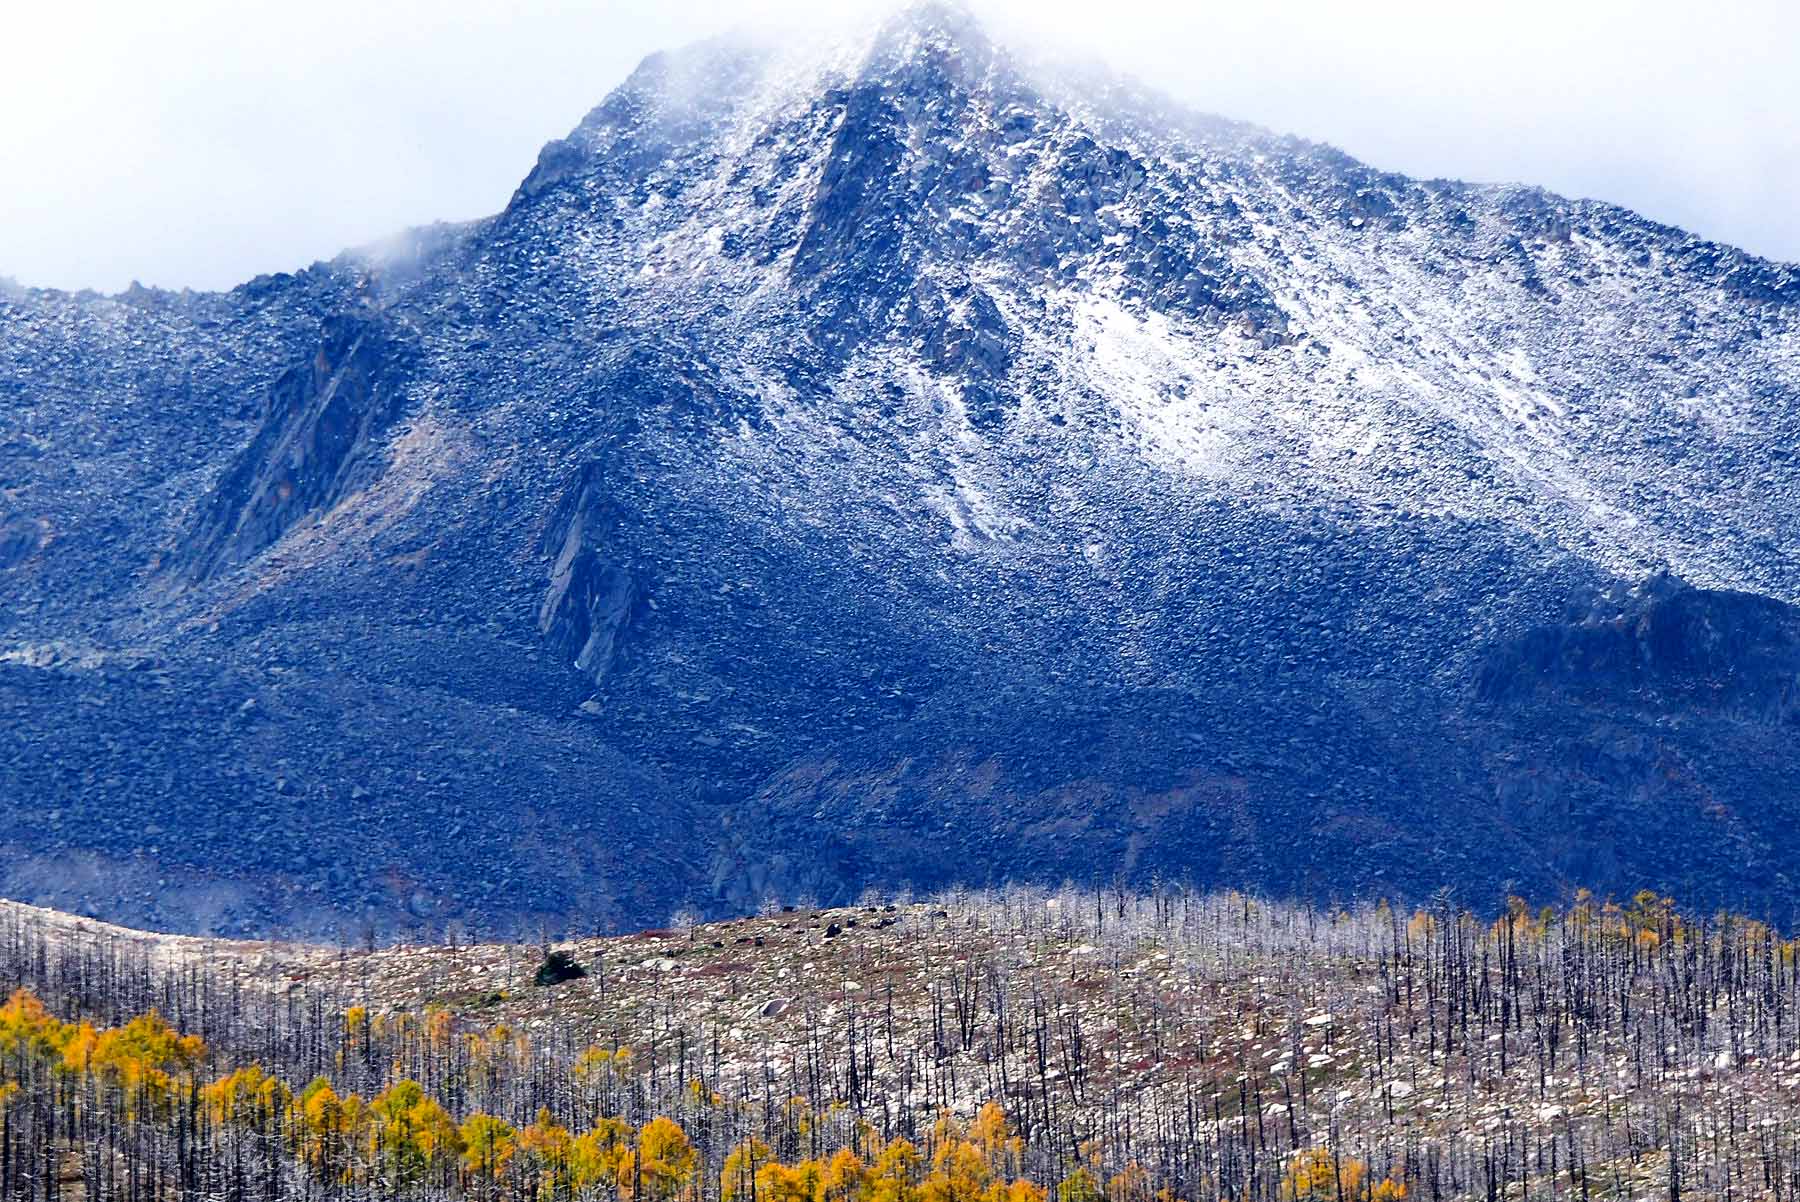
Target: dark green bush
{"points": [[557, 968]]}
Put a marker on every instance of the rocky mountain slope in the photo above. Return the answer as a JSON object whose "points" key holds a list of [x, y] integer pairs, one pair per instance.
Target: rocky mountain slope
{"points": [[898, 462]]}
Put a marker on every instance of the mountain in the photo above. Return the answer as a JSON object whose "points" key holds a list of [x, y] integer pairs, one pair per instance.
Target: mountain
{"points": [[907, 462]]}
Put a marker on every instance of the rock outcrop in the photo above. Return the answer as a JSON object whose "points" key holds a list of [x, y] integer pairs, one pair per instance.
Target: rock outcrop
{"points": [[319, 437], [590, 602]]}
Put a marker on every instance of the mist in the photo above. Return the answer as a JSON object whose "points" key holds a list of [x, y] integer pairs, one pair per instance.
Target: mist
{"points": [[197, 143]]}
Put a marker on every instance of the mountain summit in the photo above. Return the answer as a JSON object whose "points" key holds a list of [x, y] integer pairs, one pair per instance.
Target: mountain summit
{"points": [[907, 464]]}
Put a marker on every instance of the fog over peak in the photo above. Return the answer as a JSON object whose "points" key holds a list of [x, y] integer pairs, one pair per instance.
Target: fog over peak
{"points": [[198, 143]]}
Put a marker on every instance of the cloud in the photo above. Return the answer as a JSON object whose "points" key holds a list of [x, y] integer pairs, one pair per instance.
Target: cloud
{"points": [[199, 142]]}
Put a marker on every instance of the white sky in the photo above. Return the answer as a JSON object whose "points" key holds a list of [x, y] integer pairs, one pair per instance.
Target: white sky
{"points": [[200, 142]]}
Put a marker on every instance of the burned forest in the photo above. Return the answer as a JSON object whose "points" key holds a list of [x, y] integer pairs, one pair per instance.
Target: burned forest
{"points": [[1091, 1045]]}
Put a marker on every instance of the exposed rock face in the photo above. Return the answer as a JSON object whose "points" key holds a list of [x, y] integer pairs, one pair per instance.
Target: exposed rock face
{"points": [[903, 463], [590, 601], [1662, 642], [20, 537], [319, 438]]}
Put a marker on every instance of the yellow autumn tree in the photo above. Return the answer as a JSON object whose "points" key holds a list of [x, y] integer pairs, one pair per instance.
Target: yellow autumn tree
{"points": [[597, 1154], [492, 1051], [488, 1147], [896, 1173], [777, 1182], [1018, 1190], [356, 1033], [144, 1058], [28, 1031], [592, 1066], [741, 1165], [550, 1148], [1317, 1174], [845, 1179], [78, 1044], [990, 1132], [959, 1173], [439, 1028], [330, 1130], [664, 1163], [413, 1134], [1081, 1185], [248, 1097]]}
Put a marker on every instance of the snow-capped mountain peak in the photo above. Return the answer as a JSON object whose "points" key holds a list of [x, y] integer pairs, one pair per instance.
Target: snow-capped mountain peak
{"points": [[902, 458]]}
